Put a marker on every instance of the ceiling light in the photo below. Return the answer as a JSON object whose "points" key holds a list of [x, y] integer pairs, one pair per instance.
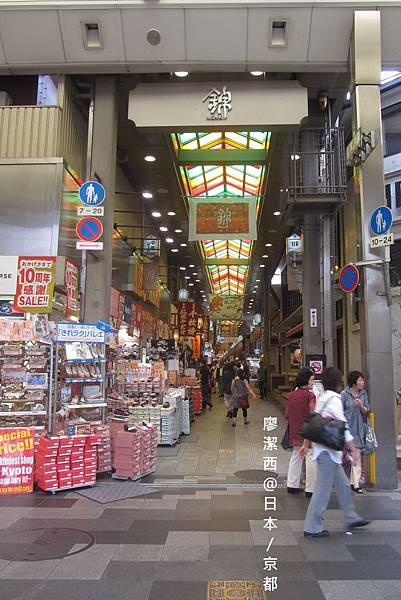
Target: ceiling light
{"points": [[187, 277], [254, 292], [147, 195], [190, 284], [262, 266], [150, 158], [183, 244], [162, 190], [174, 249], [197, 280], [191, 266], [257, 280], [277, 213], [201, 291], [156, 214], [268, 245], [169, 240], [257, 73], [182, 268], [178, 230], [295, 157], [171, 213], [181, 73], [195, 273], [163, 228], [348, 95], [265, 256]]}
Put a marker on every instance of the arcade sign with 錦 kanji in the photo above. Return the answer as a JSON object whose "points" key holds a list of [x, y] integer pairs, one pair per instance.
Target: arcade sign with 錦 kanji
{"points": [[222, 218]]}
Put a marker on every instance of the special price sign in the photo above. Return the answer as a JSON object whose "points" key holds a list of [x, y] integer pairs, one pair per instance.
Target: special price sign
{"points": [[35, 284], [16, 461], [71, 284]]}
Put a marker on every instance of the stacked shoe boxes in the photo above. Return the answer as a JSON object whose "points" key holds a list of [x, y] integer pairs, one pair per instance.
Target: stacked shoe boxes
{"points": [[186, 423], [148, 448], [169, 426], [155, 420], [197, 396], [127, 454], [65, 462], [104, 449]]}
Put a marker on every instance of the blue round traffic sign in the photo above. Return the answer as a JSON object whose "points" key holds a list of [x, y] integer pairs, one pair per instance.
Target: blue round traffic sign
{"points": [[92, 193], [381, 220], [349, 278], [89, 229]]}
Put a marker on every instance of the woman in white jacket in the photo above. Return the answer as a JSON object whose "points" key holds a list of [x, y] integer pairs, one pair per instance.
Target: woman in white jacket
{"points": [[329, 468]]}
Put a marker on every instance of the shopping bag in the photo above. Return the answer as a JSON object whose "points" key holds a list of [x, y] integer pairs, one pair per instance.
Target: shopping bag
{"points": [[370, 439]]}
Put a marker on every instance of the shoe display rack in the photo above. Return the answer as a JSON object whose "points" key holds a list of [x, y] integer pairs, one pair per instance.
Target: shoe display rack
{"points": [[26, 388]]}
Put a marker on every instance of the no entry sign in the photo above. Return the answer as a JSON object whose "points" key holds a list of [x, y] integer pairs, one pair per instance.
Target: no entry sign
{"points": [[349, 278], [89, 229]]}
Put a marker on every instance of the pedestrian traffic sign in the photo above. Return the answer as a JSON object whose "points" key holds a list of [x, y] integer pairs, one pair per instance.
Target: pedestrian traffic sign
{"points": [[92, 193], [381, 220], [89, 229], [349, 278]]}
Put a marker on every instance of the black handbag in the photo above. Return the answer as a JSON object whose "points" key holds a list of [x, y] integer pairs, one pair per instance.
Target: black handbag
{"points": [[326, 431], [285, 440]]}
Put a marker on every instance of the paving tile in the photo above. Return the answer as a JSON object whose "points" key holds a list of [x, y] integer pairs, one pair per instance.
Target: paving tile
{"points": [[225, 571], [230, 538], [373, 552], [148, 532], [229, 525], [283, 553], [379, 569], [190, 538], [235, 555], [190, 525], [329, 570], [390, 590], [246, 590], [185, 553], [86, 565], [324, 550], [299, 590], [139, 552], [163, 571], [352, 590], [109, 537], [179, 590], [74, 590], [29, 570], [19, 590]]}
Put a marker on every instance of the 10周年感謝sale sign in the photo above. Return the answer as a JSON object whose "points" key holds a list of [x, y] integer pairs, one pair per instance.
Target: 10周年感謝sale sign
{"points": [[35, 284], [16, 461]]}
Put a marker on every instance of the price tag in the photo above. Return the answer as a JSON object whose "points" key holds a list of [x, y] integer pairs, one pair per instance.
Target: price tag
{"points": [[90, 211]]}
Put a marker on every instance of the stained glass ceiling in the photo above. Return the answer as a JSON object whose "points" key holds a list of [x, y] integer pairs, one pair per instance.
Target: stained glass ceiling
{"points": [[210, 179]]}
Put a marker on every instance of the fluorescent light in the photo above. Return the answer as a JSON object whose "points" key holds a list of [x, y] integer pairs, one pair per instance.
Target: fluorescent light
{"points": [[171, 213], [348, 95], [295, 157], [268, 245], [191, 266], [257, 280], [187, 277], [163, 228], [190, 284], [257, 73], [201, 291], [181, 73], [169, 240], [150, 158], [182, 268], [262, 266], [178, 230], [195, 273], [174, 249], [265, 256], [147, 195], [156, 214], [197, 280], [183, 244], [277, 213]]}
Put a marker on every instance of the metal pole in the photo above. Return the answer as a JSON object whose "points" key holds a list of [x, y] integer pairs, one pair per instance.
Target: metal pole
{"points": [[87, 177], [326, 291]]}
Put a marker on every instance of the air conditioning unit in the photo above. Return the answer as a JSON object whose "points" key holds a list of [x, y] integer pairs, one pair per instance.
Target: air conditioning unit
{"points": [[5, 99]]}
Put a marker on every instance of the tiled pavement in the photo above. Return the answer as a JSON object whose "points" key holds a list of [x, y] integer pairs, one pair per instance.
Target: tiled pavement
{"points": [[172, 544]]}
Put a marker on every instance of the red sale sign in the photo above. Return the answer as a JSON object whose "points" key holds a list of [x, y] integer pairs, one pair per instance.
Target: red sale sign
{"points": [[16, 460], [35, 284]]}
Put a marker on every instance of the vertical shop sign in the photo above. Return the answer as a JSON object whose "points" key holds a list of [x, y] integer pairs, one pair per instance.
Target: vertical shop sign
{"points": [[150, 274], [16, 460], [127, 310], [121, 306], [187, 319], [35, 284], [114, 306], [71, 285], [138, 318], [196, 346]]}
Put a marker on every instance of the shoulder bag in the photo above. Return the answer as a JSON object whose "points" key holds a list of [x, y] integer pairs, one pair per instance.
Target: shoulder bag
{"points": [[285, 440], [326, 431], [370, 439]]}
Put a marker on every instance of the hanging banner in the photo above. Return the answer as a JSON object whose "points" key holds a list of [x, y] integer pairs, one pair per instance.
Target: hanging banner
{"points": [[226, 307], [196, 347], [114, 302], [204, 326], [151, 274], [222, 218], [16, 460], [127, 310], [71, 285], [35, 284], [187, 319], [138, 316], [137, 278]]}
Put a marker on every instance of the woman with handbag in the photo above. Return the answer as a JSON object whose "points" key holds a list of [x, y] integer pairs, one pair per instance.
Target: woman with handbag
{"points": [[240, 389], [356, 410], [330, 426], [300, 403]]}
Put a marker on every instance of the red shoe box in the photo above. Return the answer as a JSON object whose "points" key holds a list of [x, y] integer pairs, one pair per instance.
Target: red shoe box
{"points": [[44, 452], [65, 452], [78, 472], [49, 443], [65, 481], [78, 480], [90, 480], [66, 442], [63, 469], [90, 454], [79, 441], [48, 487], [47, 477], [63, 460]]}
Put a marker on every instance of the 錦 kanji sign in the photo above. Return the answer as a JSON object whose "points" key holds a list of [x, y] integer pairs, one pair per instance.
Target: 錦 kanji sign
{"points": [[222, 219]]}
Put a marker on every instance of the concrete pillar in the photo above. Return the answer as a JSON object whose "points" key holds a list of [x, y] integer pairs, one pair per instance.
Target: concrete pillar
{"points": [[375, 318], [312, 343], [103, 164]]}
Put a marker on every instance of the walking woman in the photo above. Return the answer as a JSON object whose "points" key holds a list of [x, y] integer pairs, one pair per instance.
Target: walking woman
{"points": [[356, 409], [329, 468], [240, 396], [300, 403]]}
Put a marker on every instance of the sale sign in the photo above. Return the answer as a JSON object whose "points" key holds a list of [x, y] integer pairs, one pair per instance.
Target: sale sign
{"points": [[35, 284], [16, 460], [71, 285]]}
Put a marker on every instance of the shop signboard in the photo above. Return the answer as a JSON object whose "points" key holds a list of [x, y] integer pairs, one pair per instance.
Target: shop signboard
{"points": [[137, 278], [71, 285], [17, 460], [79, 332], [294, 243], [226, 307], [151, 246], [222, 219], [187, 319], [35, 284], [151, 274], [8, 275], [196, 347]]}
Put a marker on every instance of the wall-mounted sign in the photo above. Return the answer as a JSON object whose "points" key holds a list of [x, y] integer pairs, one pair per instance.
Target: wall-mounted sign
{"points": [[381, 220], [218, 103], [151, 246], [79, 332], [313, 317], [349, 278], [316, 362], [188, 316], [35, 284], [257, 319], [222, 219], [294, 243], [226, 307]]}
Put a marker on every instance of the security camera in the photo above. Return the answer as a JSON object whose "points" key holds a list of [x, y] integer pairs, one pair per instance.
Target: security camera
{"points": [[323, 98]]}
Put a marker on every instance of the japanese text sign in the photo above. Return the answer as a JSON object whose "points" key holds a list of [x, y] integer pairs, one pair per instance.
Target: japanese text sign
{"points": [[222, 219], [16, 461], [226, 307], [79, 332], [187, 319], [35, 284], [71, 285]]}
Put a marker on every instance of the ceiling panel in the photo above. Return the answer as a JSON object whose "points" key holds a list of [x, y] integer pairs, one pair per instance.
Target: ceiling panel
{"points": [[2, 57], [330, 34], [170, 23], [31, 37], [216, 34], [391, 46], [110, 22], [298, 34]]}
